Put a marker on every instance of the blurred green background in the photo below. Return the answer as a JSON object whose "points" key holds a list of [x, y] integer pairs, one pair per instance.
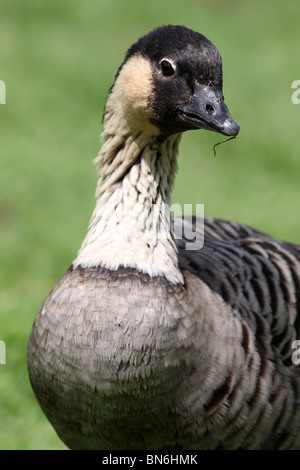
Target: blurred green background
{"points": [[58, 59]]}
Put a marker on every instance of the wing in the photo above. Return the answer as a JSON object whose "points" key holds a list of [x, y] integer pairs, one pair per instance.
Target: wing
{"points": [[255, 274]]}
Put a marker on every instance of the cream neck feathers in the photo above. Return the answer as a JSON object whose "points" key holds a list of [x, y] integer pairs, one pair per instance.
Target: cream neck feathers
{"points": [[130, 225]]}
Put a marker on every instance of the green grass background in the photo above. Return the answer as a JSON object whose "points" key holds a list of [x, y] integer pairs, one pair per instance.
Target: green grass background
{"points": [[58, 59]]}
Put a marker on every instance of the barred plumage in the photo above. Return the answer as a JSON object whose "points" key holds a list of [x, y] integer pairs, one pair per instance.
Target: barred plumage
{"points": [[144, 344], [259, 277], [255, 274]]}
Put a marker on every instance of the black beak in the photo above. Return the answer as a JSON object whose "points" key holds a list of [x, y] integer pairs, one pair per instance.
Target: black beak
{"points": [[207, 110]]}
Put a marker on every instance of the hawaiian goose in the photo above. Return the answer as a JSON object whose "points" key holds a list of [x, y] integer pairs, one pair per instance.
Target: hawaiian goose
{"points": [[144, 344]]}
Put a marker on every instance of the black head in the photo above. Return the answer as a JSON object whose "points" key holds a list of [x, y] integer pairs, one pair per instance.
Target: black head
{"points": [[175, 75]]}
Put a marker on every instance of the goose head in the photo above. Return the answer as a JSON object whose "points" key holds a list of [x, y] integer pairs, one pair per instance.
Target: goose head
{"points": [[170, 82]]}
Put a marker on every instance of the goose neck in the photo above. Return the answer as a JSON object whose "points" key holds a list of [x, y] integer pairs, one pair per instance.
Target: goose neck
{"points": [[131, 226]]}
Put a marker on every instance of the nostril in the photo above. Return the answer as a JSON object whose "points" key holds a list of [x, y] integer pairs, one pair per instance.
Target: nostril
{"points": [[209, 109]]}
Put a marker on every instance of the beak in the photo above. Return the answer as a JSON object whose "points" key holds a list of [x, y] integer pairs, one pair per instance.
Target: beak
{"points": [[207, 110]]}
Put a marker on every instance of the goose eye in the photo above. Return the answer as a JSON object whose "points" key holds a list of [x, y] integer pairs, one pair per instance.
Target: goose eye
{"points": [[167, 68]]}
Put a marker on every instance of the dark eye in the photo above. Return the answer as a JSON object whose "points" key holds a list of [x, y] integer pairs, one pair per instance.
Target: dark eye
{"points": [[167, 68]]}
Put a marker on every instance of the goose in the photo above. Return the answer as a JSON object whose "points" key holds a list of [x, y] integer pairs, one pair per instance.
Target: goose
{"points": [[144, 343]]}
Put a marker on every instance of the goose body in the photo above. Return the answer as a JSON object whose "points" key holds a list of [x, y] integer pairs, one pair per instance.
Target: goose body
{"points": [[144, 344]]}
